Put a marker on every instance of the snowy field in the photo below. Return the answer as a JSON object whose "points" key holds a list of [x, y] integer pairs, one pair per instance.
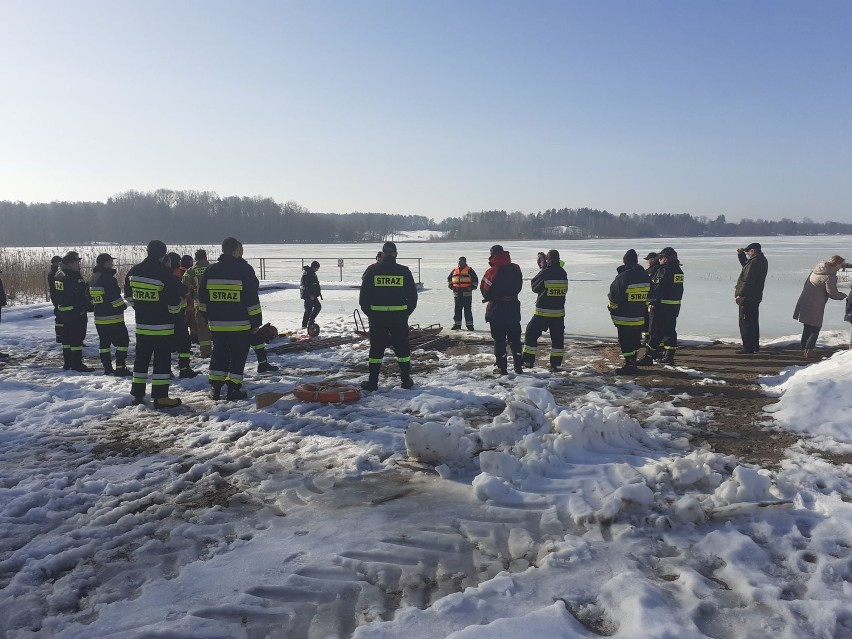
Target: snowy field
{"points": [[471, 506]]}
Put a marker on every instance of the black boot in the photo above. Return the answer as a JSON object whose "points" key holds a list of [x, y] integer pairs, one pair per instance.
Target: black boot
{"points": [[503, 365], [216, 392], [405, 374], [629, 368], [185, 369], [668, 357], [470, 327], [519, 362], [373, 382], [77, 363], [235, 392], [66, 358], [106, 360], [647, 360]]}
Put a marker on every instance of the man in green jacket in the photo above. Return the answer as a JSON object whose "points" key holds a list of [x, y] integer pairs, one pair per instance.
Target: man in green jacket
{"points": [[748, 294]]}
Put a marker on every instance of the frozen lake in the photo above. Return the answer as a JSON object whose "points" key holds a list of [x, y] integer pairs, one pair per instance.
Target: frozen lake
{"points": [[710, 265]]}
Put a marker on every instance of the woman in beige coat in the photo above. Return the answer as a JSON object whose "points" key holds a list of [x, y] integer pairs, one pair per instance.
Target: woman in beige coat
{"points": [[820, 286]]}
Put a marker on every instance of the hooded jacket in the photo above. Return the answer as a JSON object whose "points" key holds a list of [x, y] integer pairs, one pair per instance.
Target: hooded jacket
{"points": [[106, 296], [500, 287], [309, 286], [752, 277], [820, 286], [667, 287]]}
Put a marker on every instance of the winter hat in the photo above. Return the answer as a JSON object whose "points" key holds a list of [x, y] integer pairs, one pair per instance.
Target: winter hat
{"points": [[157, 249], [495, 249], [630, 258], [55, 260], [71, 256], [103, 258], [315, 265], [668, 252], [389, 248], [753, 245], [462, 260]]}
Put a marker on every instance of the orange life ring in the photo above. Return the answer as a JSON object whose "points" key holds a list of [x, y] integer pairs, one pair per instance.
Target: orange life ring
{"points": [[327, 392]]}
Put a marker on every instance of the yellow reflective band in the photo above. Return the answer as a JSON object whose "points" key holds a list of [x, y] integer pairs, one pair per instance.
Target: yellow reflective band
{"points": [[374, 360], [678, 278], [549, 312], [105, 321], [404, 307], [97, 296], [66, 308], [670, 302], [529, 351]]}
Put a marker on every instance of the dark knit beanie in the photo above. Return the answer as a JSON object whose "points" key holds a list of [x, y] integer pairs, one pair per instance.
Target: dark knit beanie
{"points": [[630, 258]]}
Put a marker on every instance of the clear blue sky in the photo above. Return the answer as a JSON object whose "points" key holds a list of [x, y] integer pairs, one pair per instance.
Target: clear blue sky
{"points": [[435, 107]]}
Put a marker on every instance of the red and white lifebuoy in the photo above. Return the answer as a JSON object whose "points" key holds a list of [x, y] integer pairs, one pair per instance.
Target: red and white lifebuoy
{"points": [[327, 392]]}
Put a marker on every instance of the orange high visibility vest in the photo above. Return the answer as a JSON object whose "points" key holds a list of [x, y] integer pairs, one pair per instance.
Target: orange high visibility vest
{"points": [[461, 278]]}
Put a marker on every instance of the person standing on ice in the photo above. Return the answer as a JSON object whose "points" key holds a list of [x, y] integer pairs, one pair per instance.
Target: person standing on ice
{"points": [[73, 302], [155, 296], [109, 309], [388, 297], [820, 287], [500, 287], [551, 286], [748, 293], [664, 301], [229, 297], [462, 281], [311, 293], [628, 298]]}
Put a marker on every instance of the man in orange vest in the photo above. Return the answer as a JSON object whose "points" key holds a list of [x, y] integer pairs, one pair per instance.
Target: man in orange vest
{"points": [[462, 282]]}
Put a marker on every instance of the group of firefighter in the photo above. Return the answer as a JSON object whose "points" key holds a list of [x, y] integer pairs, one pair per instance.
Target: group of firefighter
{"points": [[643, 303], [176, 301]]}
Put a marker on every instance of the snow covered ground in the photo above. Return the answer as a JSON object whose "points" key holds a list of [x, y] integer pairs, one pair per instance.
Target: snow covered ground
{"points": [[470, 506]]}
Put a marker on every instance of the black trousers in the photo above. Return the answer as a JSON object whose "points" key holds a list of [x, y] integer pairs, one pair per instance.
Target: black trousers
{"points": [[749, 325], [74, 332], [228, 361], [259, 346], [389, 329], [809, 336], [629, 339], [538, 325], [182, 343], [463, 305], [312, 309], [504, 332], [663, 325], [158, 347], [113, 335]]}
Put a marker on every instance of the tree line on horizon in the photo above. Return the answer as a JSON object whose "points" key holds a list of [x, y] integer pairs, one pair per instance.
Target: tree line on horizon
{"points": [[192, 217]]}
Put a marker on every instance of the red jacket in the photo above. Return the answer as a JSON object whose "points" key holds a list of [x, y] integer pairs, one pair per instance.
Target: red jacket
{"points": [[500, 287]]}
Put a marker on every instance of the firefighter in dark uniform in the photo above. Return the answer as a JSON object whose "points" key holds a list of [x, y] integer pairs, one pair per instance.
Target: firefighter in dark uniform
{"points": [[500, 287], [462, 281], [156, 298], [109, 309], [311, 293], [388, 297], [628, 304], [51, 279], [229, 298], [664, 301], [551, 285], [182, 344], [73, 302], [653, 261]]}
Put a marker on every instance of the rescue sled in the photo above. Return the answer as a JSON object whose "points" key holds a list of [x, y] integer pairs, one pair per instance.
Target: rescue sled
{"points": [[417, 336]]}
